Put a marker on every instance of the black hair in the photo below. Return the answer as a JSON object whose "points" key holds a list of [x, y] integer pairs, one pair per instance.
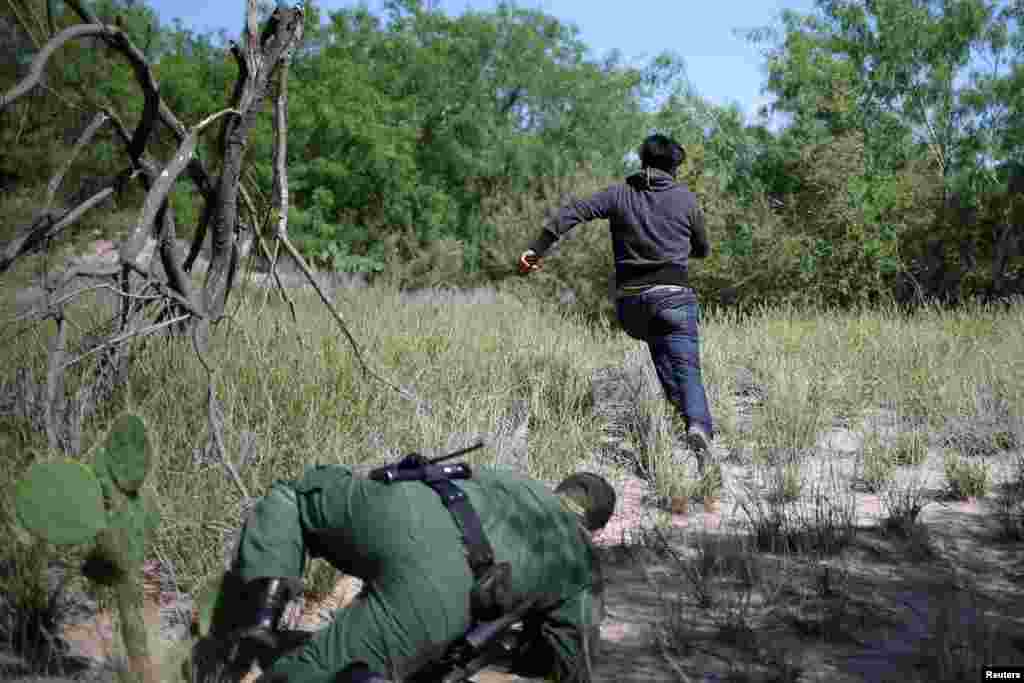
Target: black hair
{"points": [[594, 494], [662, 152]]}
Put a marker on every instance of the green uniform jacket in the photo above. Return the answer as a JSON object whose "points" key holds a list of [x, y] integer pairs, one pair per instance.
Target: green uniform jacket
{"points": [[408, 549]]}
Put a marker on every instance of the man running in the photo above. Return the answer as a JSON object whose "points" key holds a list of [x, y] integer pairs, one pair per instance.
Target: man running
{"points": [[656, 227]]}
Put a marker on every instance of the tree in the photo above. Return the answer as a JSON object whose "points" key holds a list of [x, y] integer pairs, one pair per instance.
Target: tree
{"points": [[261, 56], [904, 75]]}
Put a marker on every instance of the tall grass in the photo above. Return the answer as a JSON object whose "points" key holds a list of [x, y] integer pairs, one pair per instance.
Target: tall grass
{"points": [[293, 395], [296, 396]]}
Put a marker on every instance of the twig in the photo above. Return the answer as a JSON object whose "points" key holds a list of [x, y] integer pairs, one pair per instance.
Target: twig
{"points": [[24, 23], [44, 230], [215, 420], [341, 323], [54, 381], [127, 335], [261, 243], [279, 202], [43, 313], [84, 139]]}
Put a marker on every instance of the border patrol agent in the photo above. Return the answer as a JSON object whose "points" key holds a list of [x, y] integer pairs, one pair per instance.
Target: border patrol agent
{"points": [[425, 559]]}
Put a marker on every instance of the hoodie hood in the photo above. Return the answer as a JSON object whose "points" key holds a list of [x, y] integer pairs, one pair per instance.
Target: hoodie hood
{"points": [[651, 179]]}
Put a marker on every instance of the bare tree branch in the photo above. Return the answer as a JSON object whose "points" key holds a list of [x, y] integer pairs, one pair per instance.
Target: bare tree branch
{"points": [[280, 217], [262, 56], [176, 275], [24, 24], [84, 139], [45, 229], [279, 202], [63, 299], [216, 421], [197, 172], [39, 62], [341, 322], [200, 235], [125, 337], [157, 195]]}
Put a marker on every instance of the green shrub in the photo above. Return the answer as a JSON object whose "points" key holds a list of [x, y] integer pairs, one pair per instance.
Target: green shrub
{"points": [[911, 448], [710, 484], [966, 479], [824, 525], [784, 480], [1010, 504], [903, 503], [877, 466]]}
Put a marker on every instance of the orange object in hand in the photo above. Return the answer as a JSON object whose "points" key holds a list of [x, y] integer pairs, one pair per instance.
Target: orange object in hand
{"points": [[528, 262]]}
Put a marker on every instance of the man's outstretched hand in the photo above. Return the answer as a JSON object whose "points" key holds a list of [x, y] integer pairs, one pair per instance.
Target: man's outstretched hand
{"points": [[529, 262]]}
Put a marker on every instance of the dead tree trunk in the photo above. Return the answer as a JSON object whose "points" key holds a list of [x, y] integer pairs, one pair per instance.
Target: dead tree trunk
{"points": [[150, 302], [259, 54]]}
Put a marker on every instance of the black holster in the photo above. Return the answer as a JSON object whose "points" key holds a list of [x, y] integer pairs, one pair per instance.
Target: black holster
{"points": [[491, 595]]}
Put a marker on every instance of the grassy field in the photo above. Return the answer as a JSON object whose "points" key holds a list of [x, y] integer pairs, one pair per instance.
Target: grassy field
{"points": [[292, 395]]}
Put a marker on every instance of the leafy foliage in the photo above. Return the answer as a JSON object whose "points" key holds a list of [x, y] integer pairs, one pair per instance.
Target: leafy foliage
{"points": [[428, 148]]}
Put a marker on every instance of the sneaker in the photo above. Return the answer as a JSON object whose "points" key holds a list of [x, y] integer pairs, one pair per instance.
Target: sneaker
{"points": [[698, 440]]}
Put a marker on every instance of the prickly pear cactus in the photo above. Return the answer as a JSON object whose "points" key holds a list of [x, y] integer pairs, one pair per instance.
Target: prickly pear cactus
{"points": [[61, 503], [127, 454], [68, 502]]}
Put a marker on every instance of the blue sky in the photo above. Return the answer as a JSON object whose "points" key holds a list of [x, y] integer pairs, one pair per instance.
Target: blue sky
{"points": [[722, 66]]}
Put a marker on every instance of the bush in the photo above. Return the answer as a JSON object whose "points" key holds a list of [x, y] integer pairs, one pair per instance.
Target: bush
{"points": [[966, 479], [1010, 504], [710, 485], [911, 448], [877, 466], [903, 503], [823, 525], [32, 608], [785, 481]]}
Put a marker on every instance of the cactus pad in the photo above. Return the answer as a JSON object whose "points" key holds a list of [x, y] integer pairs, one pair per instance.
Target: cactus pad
{"points": [[60, 502], [102, 471], [206, 603], [127, 453], [152, 515], [129, 523]]}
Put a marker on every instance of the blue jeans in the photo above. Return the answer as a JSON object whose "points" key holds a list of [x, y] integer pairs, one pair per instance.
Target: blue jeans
{"points": [[669, 321]]}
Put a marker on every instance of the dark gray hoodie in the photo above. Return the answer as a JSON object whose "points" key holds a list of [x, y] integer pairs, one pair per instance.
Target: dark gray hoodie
{"points": [[656, 226]]}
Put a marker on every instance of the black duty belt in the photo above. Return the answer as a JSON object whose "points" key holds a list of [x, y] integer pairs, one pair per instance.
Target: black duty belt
{"points": [[414, 467]]}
